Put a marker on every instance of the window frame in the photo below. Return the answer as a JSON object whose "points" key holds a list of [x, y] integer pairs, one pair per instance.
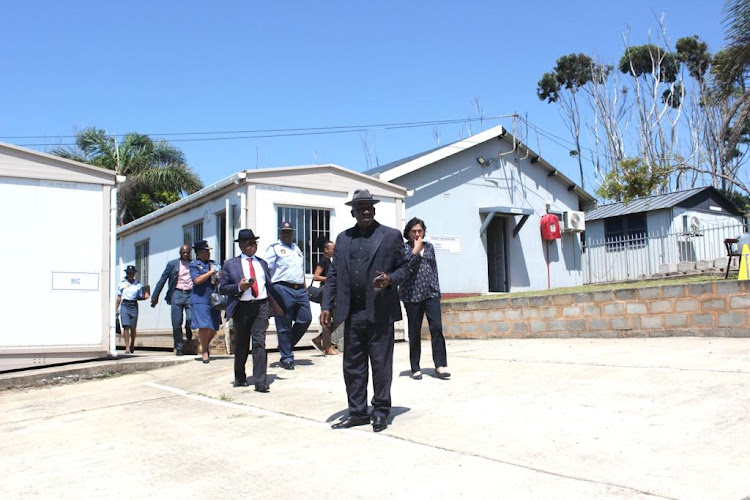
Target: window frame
{"points": [[189, 232], [142, 251], [631, 231], [315, 223]]}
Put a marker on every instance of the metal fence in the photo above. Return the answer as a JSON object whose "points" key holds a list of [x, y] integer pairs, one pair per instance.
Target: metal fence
{"points": [[628, 258]]}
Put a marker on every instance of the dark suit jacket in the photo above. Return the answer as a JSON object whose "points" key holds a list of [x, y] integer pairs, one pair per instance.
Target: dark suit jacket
{"points": [[387, 255], [170, 273], [232, 274]]}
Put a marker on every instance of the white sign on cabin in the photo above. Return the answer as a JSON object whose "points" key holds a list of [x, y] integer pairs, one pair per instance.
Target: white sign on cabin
{"points": [[448, 244]]}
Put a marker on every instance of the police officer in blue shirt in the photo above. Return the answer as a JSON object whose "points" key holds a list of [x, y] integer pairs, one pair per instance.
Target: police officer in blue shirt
{"points": [[287, 266]]}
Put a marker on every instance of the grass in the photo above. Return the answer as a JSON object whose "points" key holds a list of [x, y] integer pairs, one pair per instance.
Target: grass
{"points": [[593, 288]]}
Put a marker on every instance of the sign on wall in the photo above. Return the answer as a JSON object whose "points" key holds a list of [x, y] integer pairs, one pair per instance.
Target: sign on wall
{"points": [[75, 281], [448, 244]]}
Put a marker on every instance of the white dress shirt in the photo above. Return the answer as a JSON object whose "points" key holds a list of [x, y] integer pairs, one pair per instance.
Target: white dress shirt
{"points": [[260, 278]]}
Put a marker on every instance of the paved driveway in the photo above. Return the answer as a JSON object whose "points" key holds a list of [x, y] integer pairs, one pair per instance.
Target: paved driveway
{"points": [[558, 418]]}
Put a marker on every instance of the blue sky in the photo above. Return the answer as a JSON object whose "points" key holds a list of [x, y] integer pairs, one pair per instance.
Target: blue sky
{"points": [[169, 67]]}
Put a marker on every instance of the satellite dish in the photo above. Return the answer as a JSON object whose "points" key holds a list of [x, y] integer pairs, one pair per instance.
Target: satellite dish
{"points": [[206, 216]]}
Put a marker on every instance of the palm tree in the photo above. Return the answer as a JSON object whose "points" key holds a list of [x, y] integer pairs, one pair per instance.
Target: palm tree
{"points": [[155, 170], [731, 68]]}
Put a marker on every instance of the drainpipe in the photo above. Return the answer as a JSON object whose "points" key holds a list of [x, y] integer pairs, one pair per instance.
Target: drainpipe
{"points": [[112, 265], [228, 233], [243, 209]]}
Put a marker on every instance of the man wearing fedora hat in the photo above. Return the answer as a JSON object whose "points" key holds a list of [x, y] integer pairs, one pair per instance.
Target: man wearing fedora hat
{"points": [[247, 282], [368, 264], [287, 266]]}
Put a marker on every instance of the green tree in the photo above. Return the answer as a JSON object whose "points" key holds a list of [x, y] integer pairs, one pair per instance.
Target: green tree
{"points": [[156, 172], [650, 59], [732, 68], [633, 179], [572, 73]]}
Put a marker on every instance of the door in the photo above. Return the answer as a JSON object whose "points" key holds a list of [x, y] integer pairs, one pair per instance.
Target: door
{"points": [[221, 236], [496, 261]]}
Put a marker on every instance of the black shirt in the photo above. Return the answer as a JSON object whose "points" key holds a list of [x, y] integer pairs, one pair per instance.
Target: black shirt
{"points": [[359, 257], [325, 263]]}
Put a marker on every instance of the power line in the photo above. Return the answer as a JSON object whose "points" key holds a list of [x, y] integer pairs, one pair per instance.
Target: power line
{"points": [[279, 132]]}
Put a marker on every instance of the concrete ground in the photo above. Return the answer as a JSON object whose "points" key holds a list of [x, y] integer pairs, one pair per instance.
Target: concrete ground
{"points": [[546, 418]]}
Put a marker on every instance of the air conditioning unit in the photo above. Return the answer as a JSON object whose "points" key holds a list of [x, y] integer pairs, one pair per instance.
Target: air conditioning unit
{"points": [[573, 221], [695, 225]]}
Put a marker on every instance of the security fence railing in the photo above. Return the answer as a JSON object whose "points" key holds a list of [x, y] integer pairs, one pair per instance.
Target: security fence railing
{"points": [[642, 254]]}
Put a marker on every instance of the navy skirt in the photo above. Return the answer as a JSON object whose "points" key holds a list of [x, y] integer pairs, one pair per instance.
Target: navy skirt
{"points": [[204, 316], [129, 313]]}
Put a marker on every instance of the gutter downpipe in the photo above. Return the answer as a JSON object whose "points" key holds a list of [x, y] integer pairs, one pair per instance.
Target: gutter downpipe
{"points": [[243, 209], [112, 265], [228, 233]]}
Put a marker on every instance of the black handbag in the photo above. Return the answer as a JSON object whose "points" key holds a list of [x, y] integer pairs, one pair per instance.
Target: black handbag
{"points": [[315, 293], [218, 301]]}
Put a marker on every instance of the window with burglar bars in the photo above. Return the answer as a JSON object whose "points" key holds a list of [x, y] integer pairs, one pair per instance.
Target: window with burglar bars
{"points": [[625, 230], [312, 228], [192, 233], [141, 262]]}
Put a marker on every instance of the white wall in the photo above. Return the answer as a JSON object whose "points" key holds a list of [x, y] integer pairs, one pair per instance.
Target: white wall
{"points": [[166, 236], [448, 195], [54, 227]]}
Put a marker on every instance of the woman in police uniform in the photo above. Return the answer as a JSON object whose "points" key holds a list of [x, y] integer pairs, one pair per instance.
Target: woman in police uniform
{"points": [[129, 291], [205, 318]]}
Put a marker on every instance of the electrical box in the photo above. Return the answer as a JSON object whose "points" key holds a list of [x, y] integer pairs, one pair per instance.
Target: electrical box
{"points": [[550, 227]]}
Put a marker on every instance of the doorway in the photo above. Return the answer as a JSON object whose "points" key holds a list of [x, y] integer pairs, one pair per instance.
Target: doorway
{"points": [[221, 235], [497, 264]]}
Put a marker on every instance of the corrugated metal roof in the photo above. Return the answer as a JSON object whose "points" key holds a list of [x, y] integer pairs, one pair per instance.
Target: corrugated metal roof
{"points": [[640, 205]]}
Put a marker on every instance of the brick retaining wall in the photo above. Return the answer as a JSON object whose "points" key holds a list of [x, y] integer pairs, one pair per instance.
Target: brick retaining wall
{"points": [[717, 308]]}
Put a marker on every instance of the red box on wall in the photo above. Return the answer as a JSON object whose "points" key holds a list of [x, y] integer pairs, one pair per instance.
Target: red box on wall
{"points": [[550, 227]]}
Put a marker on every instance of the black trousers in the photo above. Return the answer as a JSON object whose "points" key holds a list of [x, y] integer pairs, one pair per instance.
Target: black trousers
{"points": [[368, 343], [250, 322], [415, 312]]}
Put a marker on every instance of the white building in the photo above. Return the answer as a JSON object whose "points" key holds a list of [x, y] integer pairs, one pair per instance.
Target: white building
{"points": [[650, 235], [58, 221], [311, 197], [482, 199]]}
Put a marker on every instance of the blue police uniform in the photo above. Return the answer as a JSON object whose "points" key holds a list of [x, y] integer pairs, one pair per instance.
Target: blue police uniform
{"points": [[130, 293], [287, 267]]}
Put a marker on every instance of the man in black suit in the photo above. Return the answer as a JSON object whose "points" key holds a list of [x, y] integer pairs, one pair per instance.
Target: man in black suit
{"points": [[178, 295], [368, 265], [247, 282]]}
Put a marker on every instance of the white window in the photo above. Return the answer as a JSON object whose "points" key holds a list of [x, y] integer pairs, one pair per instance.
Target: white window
{"points": [[141, 262], [192, 232], [312, 228]]}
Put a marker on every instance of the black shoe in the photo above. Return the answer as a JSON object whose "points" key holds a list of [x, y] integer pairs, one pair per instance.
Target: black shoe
{"points": [[237, 383], [379, 423], [351, 422], [179, 352], [287, 365], [261, 387]]}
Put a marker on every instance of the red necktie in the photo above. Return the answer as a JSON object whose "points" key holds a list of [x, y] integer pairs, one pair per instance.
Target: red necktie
{"points": [[254, 287]]}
